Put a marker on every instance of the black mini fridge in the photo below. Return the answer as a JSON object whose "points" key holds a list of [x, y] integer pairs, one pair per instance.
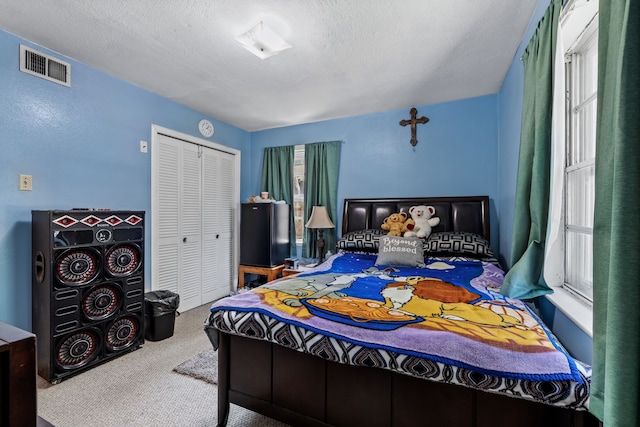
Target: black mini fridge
{"points": [[264, 234]]}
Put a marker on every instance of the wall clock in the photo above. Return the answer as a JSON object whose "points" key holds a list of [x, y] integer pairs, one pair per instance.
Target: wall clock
{"points": [[205, 127]]}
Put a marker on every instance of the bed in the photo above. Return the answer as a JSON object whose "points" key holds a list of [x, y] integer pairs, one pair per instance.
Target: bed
{"points": [[397, 332]]}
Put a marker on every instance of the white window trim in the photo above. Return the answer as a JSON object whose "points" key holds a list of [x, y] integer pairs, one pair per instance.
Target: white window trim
{"points": [[579, 312], [299, 240], [572, 24]]}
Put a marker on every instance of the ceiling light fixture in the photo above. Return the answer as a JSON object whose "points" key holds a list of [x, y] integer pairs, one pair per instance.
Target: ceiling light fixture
{"points": [[262, 41]]}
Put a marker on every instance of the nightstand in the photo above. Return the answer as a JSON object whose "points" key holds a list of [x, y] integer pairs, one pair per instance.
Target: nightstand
{"points": [[301, 269], [288, 272], [270, 272]]}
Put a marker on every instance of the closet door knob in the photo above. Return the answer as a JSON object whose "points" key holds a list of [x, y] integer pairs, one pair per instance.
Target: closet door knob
{"points": [[184, 240]]}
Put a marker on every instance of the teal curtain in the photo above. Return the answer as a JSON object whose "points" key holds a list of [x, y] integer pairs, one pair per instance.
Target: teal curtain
{"points": [[525, 278], [277, 179], [615, 396], [322, 165]]}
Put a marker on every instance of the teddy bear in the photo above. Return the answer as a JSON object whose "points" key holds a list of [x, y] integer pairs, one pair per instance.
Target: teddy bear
{"points": [[408, 225], [423, 221], [394, 223]]}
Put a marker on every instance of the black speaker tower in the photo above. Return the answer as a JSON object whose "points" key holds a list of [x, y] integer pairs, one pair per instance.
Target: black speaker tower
{"points": [[88, 288]]}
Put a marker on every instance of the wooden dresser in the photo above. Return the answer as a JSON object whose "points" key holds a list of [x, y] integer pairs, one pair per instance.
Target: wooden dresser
{"points": [[18, 376]]}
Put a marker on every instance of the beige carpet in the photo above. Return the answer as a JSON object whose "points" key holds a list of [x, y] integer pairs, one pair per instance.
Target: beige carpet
{"points": [[141, 389]]}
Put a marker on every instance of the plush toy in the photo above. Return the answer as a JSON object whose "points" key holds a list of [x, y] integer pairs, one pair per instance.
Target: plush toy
{"points": [[421, 215], [408, 225], [394, 223]]}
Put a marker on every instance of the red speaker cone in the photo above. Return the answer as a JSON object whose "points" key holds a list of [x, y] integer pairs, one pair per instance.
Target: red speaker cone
{"points": [[101, 302], [77, 267], [77, 349], [122, 333], [122, 260]]}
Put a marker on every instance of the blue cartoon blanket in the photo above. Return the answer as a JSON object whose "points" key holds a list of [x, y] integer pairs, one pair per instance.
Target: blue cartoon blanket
{"points": [[449, 313]]}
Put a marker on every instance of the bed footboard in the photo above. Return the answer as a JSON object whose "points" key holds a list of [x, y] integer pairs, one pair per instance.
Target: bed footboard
{"points": [[223, 379], [304, 390]]}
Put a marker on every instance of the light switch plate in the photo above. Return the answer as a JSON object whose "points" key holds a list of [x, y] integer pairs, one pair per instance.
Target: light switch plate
{"points": [[143, 146], [25, 182]]}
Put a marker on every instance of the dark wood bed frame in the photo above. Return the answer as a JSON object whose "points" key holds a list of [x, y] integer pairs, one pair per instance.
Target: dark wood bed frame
{"points": [[306, 390]]}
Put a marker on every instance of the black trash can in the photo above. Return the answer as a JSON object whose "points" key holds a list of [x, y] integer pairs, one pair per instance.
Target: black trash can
{"points": [[161, 308]]}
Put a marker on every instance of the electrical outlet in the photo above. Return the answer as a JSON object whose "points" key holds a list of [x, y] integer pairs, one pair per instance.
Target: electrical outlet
{"points": [[143, 146], [25, 182]]}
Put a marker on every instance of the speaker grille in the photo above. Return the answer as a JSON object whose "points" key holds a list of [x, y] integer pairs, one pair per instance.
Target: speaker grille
{"points": [[122, 260], [122, 333], [101, 302], [77, 349], [77, 267]]}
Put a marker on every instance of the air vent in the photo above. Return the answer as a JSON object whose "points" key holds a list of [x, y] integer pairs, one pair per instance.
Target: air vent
{"points": [[45, 66]]}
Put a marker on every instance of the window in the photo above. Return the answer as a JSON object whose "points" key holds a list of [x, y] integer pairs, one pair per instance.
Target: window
{"points": [[298, 192], [581, 101], [569, 247]]}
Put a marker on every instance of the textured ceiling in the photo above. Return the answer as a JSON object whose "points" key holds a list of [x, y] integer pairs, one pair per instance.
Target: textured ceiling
{"points": [[349, 57]]}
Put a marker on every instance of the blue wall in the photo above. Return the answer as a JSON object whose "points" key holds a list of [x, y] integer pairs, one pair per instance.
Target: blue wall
{"points": [[456, 154], [81, 145], [509, 103]]}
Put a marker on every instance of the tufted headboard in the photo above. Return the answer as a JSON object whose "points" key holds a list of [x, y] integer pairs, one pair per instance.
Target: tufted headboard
{"points": [[469, 213]]}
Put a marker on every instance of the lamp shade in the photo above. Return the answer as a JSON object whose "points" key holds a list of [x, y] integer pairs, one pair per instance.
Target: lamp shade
{"points": [[319, 218]]}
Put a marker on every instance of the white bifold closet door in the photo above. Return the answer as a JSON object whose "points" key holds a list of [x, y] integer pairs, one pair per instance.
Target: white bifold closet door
{"points": [[218, 174], [194, 206]]}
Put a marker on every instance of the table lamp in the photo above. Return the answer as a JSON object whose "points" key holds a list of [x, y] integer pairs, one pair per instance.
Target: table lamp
{"points": [[320, 220]]}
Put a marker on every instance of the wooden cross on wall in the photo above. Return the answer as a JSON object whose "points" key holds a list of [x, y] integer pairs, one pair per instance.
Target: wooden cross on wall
{"points": [[413, 123]]}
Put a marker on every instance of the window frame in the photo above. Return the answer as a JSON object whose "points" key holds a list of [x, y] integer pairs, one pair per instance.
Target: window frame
{"points": [[578, 160], [298, 197], [573, 32]]}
